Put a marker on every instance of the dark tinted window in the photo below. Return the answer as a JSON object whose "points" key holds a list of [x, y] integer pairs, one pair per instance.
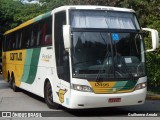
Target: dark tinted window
{"points": [[35, 35], [62, 58], [26, 38]]}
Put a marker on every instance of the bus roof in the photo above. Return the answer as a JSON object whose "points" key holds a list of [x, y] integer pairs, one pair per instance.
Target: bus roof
{"points": [[86, 7], [93, 7]]}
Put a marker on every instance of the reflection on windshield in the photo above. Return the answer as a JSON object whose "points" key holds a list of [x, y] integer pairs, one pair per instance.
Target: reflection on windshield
{"points": [[128, 54], [107, 55]]}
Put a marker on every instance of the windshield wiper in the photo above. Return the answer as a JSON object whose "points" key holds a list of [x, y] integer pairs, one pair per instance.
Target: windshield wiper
{"points": [[106, 57], [80, 62]]}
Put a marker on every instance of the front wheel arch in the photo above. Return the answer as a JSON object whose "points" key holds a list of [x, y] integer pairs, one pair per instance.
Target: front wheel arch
{"points": [[48, 95]]}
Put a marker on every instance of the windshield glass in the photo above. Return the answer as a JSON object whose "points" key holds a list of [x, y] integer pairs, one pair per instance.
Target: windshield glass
{"points": [[107, 55], [103, 19]]}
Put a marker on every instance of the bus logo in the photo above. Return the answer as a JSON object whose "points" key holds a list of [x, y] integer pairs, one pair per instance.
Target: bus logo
{"points": [[16, 56], [61, 94]]}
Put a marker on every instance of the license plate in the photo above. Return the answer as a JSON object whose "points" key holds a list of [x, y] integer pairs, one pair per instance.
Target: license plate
{"points": [[111, 100]]}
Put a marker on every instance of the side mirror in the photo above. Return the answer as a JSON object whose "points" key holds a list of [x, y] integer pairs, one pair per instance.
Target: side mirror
{"points": [[155, 38], [67, 36]]}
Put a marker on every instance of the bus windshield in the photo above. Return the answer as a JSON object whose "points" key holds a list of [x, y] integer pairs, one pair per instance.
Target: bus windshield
{"points": [[103, 19], [107, 55], [106, 44]]}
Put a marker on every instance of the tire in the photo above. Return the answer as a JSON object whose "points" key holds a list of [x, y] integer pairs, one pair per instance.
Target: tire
{"points": [[9, 81], [13, 85], [48, 96]]}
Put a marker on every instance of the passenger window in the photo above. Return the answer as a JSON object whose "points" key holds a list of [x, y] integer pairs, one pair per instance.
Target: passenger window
{"points": [[26, 37], [17, 40], [43, 34], [34, 35], [46, 35], [13, 41], [20, 40], [39, 32]]}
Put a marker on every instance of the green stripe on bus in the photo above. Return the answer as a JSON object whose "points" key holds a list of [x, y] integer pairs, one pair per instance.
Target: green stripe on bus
{"points": [[120, 84], [31, 63], [34, 65], [130, 84], [40, 17], [27, 65]]}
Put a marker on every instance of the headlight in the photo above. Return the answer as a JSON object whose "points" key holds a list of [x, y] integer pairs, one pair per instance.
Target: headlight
{"points": [[141, 86], [83, 88]]}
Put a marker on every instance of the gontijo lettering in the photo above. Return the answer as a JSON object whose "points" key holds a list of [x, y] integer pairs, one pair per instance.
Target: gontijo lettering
{"points": [[16, 56]]}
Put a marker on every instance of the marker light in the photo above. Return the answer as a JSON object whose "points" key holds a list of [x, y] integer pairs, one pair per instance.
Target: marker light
{"points": [[82, 88]]}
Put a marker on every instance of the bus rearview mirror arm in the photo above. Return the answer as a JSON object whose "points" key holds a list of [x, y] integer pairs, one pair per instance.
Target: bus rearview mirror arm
{"points": [[67, 37], [155, 38]]}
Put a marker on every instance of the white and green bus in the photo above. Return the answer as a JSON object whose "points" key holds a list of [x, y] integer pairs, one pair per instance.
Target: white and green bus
{"points": [[79, 57]]}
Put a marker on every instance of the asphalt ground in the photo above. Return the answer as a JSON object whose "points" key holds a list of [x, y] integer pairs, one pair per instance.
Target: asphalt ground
{"points": [[24, 101]]}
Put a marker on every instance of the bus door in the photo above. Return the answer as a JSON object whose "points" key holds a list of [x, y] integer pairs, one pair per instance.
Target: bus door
{"points": [[62, 59], [64, 92]]}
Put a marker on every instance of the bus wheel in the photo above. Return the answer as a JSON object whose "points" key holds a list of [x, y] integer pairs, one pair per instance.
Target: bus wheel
{"points": [[9, 81], [13, 85], [48, 96]]}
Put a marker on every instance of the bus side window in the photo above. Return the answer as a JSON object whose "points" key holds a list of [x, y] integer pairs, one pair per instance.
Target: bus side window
{"points": [[4, 43], [23, 38], [7, 43], [12, 41], [39, 34], [43, 34], [26, 37], [48, 36], [32, 38], [34, 35], [20, 40], [17, 39]]}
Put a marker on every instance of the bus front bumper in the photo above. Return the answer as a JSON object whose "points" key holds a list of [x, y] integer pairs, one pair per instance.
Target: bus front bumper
{"points": [[81, 100]]}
